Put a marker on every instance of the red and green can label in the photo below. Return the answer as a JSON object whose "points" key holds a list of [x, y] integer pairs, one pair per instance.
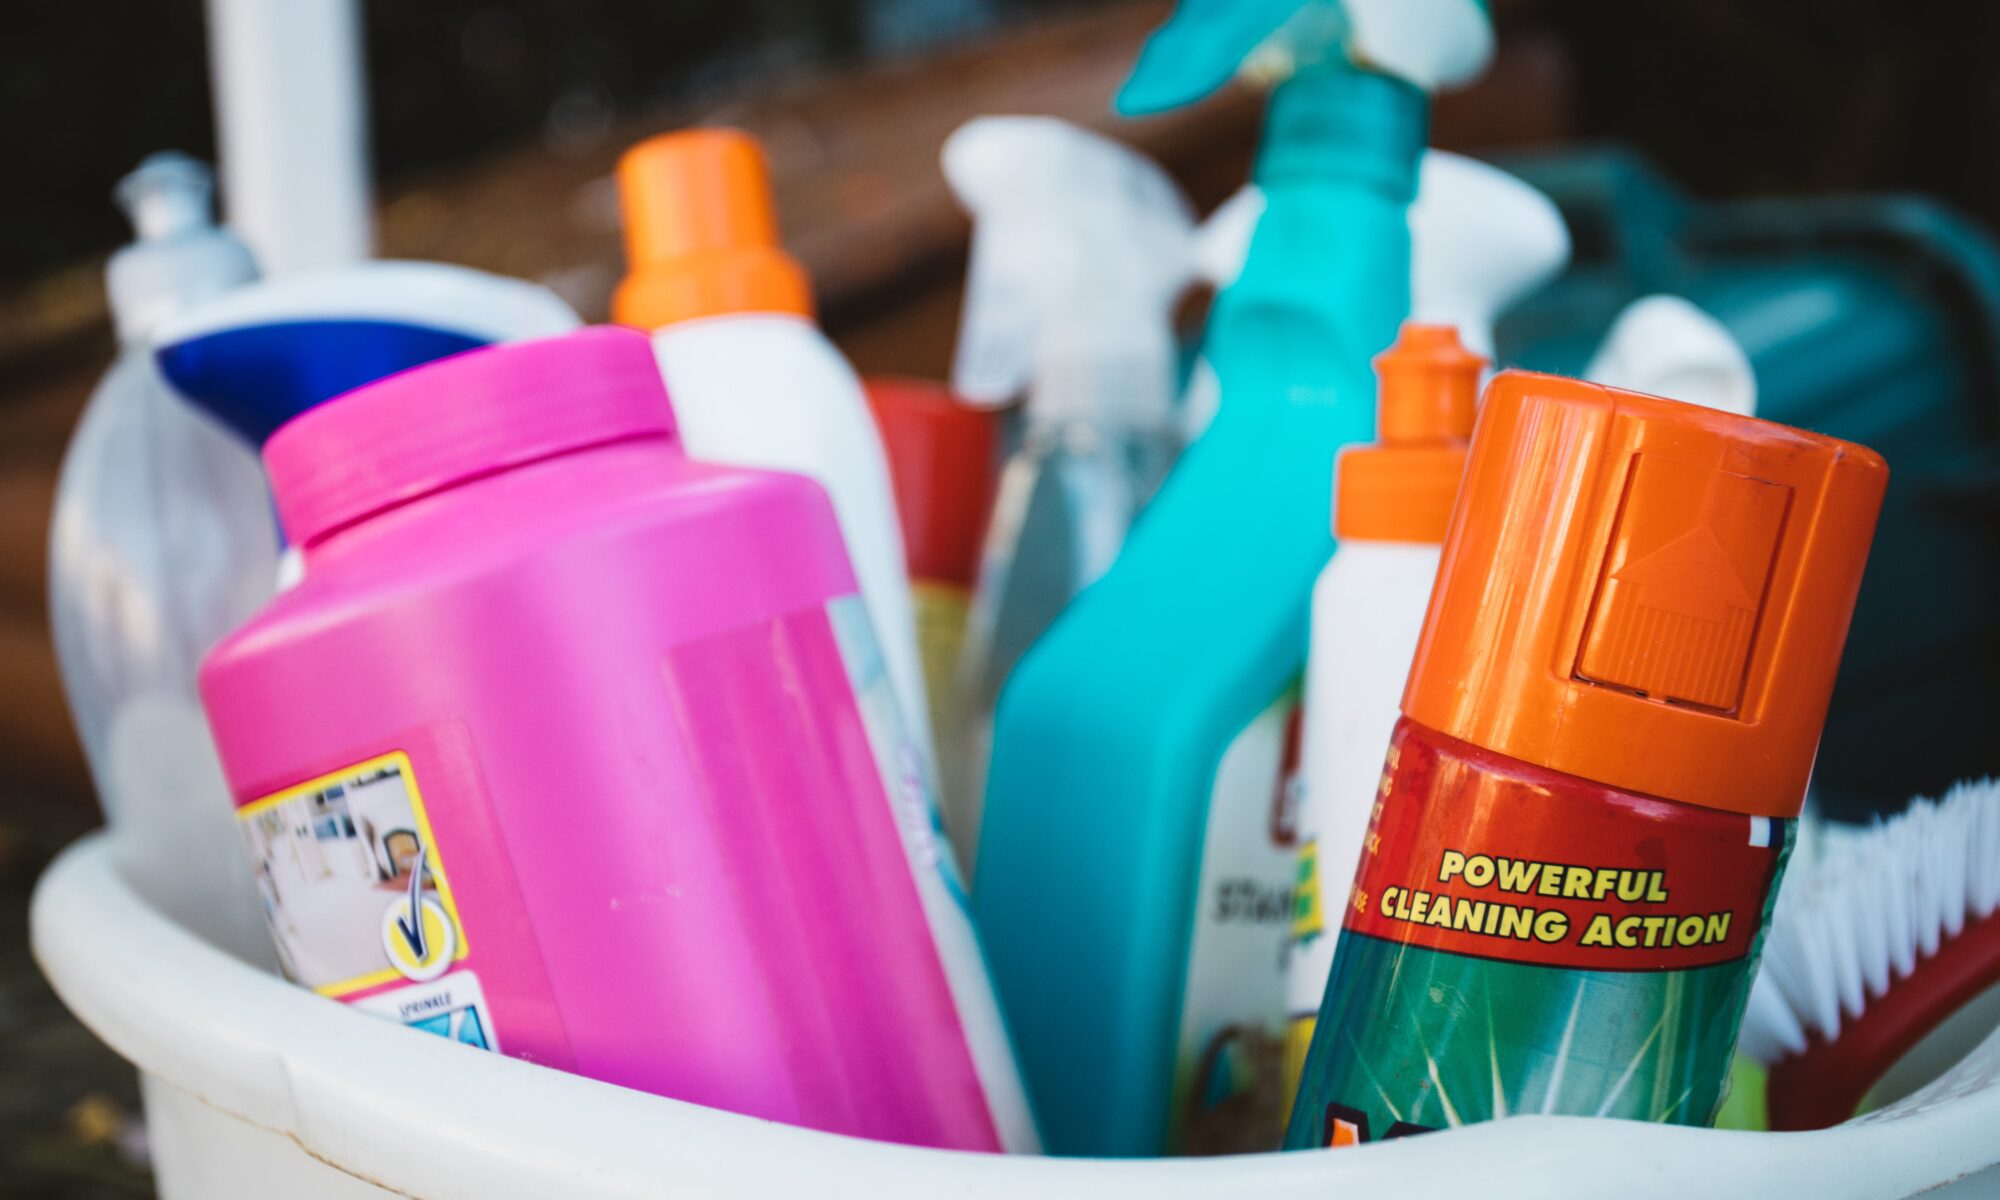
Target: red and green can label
{"points": [[1522, 941]]}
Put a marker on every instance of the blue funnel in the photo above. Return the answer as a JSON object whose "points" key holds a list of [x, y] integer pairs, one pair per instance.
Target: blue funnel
{"points": [[258, 356]]}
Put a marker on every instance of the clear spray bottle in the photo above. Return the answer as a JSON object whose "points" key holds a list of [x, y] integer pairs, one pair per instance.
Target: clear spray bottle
{"points": [[1080, 250]]}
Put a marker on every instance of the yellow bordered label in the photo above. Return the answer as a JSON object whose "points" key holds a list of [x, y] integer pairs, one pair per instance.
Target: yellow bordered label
{"points": [[350, 864]]}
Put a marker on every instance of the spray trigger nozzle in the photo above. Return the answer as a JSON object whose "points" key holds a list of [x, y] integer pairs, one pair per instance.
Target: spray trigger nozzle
{"points": [[1080, 248]]}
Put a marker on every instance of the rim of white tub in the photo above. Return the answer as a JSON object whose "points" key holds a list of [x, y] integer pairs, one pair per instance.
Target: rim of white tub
{"points": [[358, 1093]]}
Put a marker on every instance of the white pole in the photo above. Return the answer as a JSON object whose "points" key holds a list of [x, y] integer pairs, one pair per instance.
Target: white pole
{"points": [[292, 128]]}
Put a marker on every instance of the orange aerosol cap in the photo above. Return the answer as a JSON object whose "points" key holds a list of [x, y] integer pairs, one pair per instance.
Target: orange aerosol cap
{"points": [[1646, 594], [701, 232], [1401, 488]]}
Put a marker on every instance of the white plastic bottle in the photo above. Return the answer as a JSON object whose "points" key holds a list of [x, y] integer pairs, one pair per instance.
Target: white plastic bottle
{"points": [[1391, 504], [1080, 248], [162, 541], [753, 381]]}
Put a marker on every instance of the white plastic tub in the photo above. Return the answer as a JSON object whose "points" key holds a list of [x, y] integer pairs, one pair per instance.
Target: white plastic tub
{"points": [[257, 1088]]}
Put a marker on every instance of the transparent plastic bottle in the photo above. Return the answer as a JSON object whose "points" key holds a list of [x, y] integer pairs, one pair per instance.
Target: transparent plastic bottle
{"points": [[1067, 499], [163, 539], [1080, 248]]}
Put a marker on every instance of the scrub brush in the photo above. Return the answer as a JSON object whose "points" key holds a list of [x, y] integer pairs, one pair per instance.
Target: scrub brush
{"points": [[1887, 934]]}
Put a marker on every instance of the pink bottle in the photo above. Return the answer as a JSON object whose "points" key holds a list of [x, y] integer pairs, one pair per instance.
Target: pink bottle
{"points": [[575, 749]]}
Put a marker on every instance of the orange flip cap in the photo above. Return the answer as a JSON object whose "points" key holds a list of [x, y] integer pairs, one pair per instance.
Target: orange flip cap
{"points": [[1401, 488], [1646, 594], [701, 232]]}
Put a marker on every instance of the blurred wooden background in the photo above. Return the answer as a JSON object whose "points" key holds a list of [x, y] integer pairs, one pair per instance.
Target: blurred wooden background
{"points": [[861, 202]]}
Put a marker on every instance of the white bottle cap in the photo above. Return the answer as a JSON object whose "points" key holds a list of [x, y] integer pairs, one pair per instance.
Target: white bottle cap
{"points": [[1432, 43], [1080, 248], [1665, 346], [180, 256]]}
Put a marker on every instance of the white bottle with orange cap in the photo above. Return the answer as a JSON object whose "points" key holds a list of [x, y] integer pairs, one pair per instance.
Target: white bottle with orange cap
{"points": [[1392, 502], [753, 381]]}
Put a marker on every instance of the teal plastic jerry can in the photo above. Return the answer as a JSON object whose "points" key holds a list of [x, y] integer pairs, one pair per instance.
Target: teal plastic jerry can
{"points": [[1871, 318], [1136, 861]]}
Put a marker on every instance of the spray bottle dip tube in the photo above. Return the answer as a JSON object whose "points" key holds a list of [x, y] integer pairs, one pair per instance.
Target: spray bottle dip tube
{"points": [[1589, 800]]}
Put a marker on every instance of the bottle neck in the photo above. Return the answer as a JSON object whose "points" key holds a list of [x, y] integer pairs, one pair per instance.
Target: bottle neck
{"points": [[1336, 124], [151, 282], [1326, 280]]}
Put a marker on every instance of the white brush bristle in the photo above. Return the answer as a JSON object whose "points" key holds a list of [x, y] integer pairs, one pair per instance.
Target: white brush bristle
{"points": [[1875, 903]]}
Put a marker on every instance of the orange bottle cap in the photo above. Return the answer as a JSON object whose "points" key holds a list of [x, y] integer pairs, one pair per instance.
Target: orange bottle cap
{"points": [[1646, 594], [701, 232], [1401, 488]]}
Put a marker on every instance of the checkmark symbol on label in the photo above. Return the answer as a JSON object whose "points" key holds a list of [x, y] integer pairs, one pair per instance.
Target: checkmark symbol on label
{"points": [[412, 935], [411, 924]]}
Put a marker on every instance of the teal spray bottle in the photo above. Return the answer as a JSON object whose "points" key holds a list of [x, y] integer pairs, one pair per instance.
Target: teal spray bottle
{"points": [[1136, 856]]}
